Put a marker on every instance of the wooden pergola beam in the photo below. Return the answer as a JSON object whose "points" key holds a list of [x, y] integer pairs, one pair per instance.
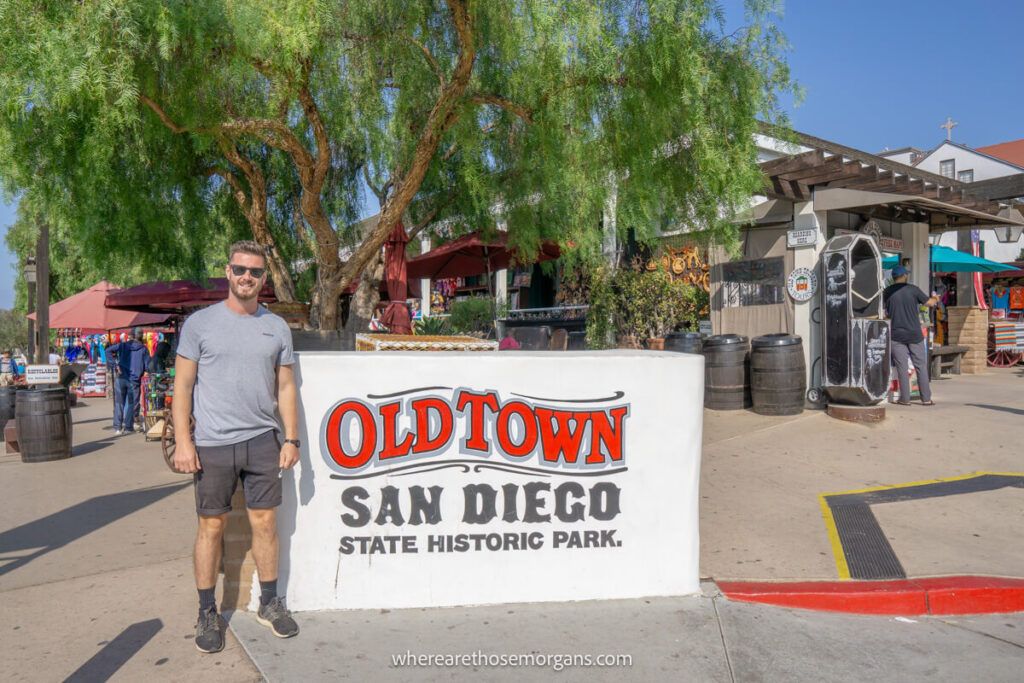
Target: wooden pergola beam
{"points": [[798, 162]]}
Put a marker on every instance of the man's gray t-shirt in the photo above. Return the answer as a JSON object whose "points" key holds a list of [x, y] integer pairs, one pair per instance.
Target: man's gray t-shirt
{"points": [[234, 395]]}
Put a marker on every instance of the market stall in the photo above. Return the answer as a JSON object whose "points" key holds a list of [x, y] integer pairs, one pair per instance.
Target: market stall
{"points": [[999, 293], [467, 267], [85, 326]]}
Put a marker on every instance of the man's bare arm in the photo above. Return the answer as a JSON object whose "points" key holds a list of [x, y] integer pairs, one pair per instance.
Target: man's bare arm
{"points": [[185, 457], [288, 406]]}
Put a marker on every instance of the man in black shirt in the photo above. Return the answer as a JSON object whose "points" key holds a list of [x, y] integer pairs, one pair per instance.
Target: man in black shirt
{"points": [[902, 302]]}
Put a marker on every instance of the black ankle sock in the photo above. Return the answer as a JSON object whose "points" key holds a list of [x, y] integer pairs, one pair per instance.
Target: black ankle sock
{"points": [[268, 591], [207, 600]]}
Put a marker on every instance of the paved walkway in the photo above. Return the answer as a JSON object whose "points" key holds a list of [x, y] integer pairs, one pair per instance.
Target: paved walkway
{"points": [[703, 638], [760, 514], [95, 568]]}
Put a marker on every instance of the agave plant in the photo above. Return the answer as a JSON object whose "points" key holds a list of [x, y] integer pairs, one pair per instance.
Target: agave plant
{"points": [[433, 325]]}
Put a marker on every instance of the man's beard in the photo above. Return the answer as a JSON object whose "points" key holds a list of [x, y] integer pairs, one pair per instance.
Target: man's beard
{"points": [[236, 290]]}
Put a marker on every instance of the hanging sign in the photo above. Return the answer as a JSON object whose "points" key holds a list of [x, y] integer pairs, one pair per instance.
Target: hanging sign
{"points": [[42, 374], [806, 237], [802, 284], [892, 245]]}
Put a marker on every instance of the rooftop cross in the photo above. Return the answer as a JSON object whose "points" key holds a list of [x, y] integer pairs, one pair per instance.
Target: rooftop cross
{"points": [[948, 125]]}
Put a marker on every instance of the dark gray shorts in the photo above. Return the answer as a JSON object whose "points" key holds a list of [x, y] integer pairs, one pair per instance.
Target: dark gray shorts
{"points": [[256, 462]]}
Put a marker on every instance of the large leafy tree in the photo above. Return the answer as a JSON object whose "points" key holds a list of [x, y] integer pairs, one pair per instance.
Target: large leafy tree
{"points": [[539, 114]]}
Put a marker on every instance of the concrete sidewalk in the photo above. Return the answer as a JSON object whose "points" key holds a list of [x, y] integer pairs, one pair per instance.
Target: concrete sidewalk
{"points": [[761, 518], [96, 565], [700, 638], [96, 580]]}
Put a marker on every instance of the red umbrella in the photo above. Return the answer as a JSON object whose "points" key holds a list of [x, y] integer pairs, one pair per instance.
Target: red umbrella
{"points": [[88, 311], [470, 255], [396, 315], [177, 296]]}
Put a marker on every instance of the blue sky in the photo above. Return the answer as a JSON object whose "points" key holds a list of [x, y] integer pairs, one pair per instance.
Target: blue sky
{"points": [[877, 74]]}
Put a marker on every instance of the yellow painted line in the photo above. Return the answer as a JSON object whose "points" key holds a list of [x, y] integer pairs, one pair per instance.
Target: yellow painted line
{"points": [[833, 539], [830, 523]]}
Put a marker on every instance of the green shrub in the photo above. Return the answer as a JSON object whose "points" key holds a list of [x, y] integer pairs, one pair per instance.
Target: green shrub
{"points": [[472, 315]]}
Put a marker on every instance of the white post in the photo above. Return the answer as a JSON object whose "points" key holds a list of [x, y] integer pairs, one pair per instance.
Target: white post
{"points": [[501, 286], [916, 247], [425, 282], [805, 312]]}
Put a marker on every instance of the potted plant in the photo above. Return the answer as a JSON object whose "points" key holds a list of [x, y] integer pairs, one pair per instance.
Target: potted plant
{"points": [[649, 305]]}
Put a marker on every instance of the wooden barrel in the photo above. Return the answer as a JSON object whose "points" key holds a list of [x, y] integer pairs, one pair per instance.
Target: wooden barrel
{"points": [[726, 372], [684, 342], [778, 379], [577, 341], [7, 395], [44, 424]]}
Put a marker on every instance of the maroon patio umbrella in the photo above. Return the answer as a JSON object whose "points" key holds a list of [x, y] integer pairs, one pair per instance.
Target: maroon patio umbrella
{"points": [[471, 255], [87, 311], [396, 315], [176, 296]]}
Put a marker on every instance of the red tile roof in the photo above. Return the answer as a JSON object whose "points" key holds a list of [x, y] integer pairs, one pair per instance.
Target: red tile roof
{"points": [[1009, 151]]}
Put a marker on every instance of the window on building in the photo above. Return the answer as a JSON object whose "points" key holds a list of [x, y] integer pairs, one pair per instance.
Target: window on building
{"points": [[753, 283], [948, 168], [966, 176]]}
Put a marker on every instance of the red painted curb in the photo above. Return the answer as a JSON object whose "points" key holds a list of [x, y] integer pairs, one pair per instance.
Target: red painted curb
{"points": [[947, 595]]}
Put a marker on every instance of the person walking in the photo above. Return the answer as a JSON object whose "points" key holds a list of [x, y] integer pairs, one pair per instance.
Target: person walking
{"points": [[232, 359], [132, 363], [902, 303]]}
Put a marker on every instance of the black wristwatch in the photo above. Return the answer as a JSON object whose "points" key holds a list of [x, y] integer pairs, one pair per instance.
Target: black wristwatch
{"points": [[298, 444]]}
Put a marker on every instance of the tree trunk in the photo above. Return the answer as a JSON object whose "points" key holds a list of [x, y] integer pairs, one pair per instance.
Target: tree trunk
{"points": [[284, 286], [366, 298]]}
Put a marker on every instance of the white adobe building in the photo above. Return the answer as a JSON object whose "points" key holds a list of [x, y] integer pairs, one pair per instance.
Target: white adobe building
{"points": [[968, 165]]}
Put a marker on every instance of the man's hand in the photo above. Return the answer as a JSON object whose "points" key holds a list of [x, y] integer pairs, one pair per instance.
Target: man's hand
{"points": [[289, 456], [185, 459]]}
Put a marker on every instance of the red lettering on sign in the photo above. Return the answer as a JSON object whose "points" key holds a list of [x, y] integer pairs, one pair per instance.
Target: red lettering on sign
{"points": [[562, 440], [476, 403], [369, 435], [392, 449], [529, 442], [422, 408], [604, 432]]}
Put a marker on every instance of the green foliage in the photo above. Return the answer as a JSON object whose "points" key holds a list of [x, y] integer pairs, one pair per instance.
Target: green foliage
{"points": [[432, 325], [569, 107], [601, 314], [649, 303], [475, 314], [13, 330]]}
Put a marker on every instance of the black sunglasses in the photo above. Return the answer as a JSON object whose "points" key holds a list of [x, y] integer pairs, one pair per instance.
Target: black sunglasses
{"points": [[239, 271]]}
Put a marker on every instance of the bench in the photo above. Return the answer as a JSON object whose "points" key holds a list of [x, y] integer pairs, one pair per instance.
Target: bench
{"points": [[945, 358]]}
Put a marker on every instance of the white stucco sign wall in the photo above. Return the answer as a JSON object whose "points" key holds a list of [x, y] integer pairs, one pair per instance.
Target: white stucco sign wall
{"points": [[453, 478]]}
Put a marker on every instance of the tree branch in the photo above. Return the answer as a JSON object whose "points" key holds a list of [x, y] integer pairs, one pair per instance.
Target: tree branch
{"points": [[441, 118], [369, 183], [162, 115], [239, 190], [508, 105], [431, 60], [323, 145]]}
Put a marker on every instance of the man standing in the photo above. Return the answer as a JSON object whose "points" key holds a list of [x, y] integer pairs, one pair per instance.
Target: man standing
{"points": [[132, 362], [902, 302], [232, 359]]}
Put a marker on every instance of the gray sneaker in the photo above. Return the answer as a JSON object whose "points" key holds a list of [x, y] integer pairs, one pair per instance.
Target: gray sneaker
{"points": [[209, 632], [275, 615]]}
